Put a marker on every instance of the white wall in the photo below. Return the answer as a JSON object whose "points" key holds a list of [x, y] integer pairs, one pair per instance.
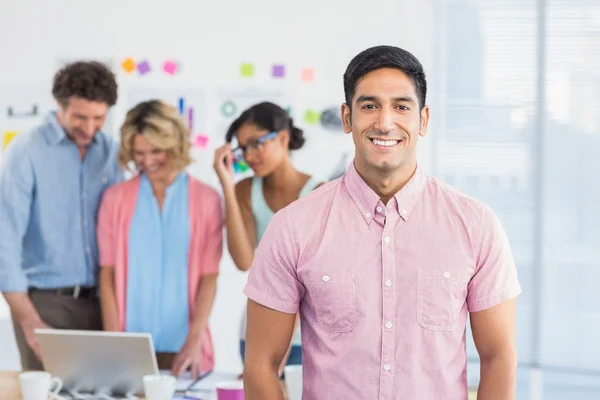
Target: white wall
{"points": [[211, 39]]}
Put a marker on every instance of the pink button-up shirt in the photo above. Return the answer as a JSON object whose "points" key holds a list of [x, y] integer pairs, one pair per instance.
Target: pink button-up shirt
{"points": [[384, 290]]}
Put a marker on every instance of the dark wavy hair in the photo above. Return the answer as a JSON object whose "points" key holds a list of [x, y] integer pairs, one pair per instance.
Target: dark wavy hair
{"points": [[271, 117], [90, 80]]}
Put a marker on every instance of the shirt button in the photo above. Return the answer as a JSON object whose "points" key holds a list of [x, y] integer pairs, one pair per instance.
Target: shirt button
{"points": [[387, 239], [388, 325], [403, 212], [368, 215], [387, 367], [379, 209], [388, 283], [446, 274], [325, 278]]}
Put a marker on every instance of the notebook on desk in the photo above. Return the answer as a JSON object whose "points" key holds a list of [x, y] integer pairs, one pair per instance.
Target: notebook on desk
{"points": [[185, 380], [208, 383]]}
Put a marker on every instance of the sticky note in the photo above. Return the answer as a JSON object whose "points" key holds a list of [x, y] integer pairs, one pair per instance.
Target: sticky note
{"points": [[307, 75], [190, 118], [312, 117], [181, 103], [247, 70], [7, 137], [201, 141], [143, 67], [278, 71], [170, 67], [128, 65]]}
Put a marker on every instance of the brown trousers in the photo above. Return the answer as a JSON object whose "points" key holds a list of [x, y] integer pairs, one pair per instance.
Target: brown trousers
{"points": [[60, 312], [65, 312], [165, 360]]}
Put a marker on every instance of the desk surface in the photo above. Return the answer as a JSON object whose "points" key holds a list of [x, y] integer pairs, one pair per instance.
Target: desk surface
{"points": [[10, 388]]}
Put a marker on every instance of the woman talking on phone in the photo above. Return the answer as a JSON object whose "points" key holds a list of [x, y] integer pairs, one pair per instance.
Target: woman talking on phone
{"points": [[266, 135]]}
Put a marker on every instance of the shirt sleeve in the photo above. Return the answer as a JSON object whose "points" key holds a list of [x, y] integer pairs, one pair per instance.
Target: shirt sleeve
{"points": [[16, 195], [105, 234], [495, 280], [273, 281], [214, 236]]}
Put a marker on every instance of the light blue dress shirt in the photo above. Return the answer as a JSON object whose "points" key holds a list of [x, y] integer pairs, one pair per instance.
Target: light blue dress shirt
{"points": [[49, 201], [157, 266]]}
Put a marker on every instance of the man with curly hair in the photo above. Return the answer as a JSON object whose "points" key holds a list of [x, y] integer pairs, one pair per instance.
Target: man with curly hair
{"points": [[50, 187]]}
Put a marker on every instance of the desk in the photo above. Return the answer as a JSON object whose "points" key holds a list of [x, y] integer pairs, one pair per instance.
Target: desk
{"points": [[9, 386], [10, 390]]}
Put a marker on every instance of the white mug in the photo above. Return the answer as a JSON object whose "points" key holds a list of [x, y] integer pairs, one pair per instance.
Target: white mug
{"points": [[37, 385], [293, 381], [159, 387]]}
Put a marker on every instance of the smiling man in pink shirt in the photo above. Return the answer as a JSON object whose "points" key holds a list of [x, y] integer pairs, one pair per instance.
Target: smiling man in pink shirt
{"points": [[384, 265]]}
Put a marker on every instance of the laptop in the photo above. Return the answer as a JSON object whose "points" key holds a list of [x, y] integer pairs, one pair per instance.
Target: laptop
{"points": [[98, 362]]}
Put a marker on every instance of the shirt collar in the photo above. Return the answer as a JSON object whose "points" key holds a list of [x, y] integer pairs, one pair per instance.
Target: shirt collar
{"points": [[146, 186], [56, 133], [366, 199]]}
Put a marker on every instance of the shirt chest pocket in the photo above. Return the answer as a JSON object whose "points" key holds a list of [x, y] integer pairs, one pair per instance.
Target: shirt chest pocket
{"points": [[441, 297], [334, 300], [97, 184]]}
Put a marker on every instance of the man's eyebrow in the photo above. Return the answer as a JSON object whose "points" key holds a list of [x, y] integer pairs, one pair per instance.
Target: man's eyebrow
{"points": [[364, 98], [401, 99]]}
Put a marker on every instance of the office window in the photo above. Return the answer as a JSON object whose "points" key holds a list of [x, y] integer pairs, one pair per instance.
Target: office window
{"points": [[570, 187], [534, 151], [487, 99]]}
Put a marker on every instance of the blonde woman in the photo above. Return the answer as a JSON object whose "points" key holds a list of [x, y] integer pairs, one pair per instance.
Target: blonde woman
{"points": [[160, 241]]}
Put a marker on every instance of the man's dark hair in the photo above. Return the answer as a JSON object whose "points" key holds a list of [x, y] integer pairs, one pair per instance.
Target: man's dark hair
{"points": [[384, 57], [89, 80]]}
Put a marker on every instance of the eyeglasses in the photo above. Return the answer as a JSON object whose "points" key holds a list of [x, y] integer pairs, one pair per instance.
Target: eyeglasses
{"points": [[257, 145]]}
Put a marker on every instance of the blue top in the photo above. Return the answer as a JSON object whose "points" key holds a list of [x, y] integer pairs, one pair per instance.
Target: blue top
{"points": [[261, 210], [49, 201], [157, 266], [262, 216]]}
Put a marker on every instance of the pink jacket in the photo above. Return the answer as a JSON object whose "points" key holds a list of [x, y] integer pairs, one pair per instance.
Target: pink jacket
{"points": [[206, 244]]}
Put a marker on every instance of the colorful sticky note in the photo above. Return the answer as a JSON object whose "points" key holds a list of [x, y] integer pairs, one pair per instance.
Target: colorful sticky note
{"points": [[307, 75], [128, 65], [247, 70], [312, 117], [170, 67], [278, 71], [201, 141], [7, 137], [143, 67], [190, 117]]}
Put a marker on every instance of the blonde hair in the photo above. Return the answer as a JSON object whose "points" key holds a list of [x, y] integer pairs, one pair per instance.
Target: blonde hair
{"points": [[162, 126]]}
